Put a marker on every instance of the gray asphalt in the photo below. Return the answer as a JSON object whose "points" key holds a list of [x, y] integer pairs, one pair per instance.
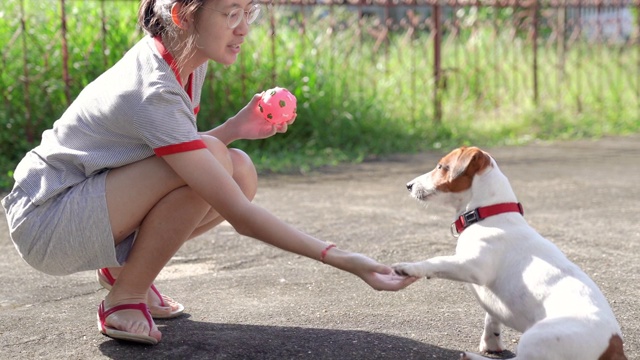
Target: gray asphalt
{"points": [[247, 300]]}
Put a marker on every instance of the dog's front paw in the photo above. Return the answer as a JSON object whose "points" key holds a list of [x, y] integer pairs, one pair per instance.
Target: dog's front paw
{"points": [[409, 269], [491, 343], [491, 349]]}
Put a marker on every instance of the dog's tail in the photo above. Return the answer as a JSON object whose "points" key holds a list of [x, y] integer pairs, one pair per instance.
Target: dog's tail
{"points": [[615, 350]]}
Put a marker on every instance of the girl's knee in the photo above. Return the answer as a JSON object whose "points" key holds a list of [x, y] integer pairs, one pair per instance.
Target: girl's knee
{"points": [[244, 172], [242, 163], [219, 151], [237, 162]]}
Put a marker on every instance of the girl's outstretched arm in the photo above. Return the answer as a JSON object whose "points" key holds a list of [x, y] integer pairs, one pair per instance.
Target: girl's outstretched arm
{"points": [[208, 172]]}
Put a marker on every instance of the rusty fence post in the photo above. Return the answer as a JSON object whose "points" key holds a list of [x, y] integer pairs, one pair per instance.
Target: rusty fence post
{"points": [[536, 24], [561, 47], [105, 45], [65, 52], [437, 65], [29, 129], [272, 25], [413, 24]]}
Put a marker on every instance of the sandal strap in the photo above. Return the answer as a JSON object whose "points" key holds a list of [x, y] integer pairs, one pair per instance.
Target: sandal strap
{"points": [[142, 307], [111, 280], [157, 292], [107, 274], [105, 277]]}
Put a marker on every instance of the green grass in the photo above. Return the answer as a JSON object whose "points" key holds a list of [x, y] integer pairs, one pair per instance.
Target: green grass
{"points": [[357, 98]]}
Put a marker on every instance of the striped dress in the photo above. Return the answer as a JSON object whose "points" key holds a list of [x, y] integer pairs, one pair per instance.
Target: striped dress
{"points": [[134, 110], [57, 211]]}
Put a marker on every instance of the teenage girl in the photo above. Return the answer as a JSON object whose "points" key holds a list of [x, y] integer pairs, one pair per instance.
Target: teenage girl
{"points": [[123, 178]]}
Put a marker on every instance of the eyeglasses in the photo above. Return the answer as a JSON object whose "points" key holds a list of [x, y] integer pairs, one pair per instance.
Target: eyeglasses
{"points": [[234, 17]]}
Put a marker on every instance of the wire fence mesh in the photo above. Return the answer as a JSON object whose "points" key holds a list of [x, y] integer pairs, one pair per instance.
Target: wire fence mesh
{"points": [[440, 57]]}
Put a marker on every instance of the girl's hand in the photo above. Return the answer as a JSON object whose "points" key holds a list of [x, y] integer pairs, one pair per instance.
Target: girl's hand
{"points": [[249, 124], [378, 276]]}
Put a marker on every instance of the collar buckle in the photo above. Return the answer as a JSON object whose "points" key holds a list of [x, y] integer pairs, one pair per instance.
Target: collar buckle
{"points": [[471, 217]]}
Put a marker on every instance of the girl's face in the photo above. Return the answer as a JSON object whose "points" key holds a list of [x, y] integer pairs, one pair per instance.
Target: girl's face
{"points": [[215, 39]]}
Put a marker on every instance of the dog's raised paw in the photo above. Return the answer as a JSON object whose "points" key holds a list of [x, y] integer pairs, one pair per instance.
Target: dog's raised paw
{"points": [[405, 269], [416, 269], [400, 272]]}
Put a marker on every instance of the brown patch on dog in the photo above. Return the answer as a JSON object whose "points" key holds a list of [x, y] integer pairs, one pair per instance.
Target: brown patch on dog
{"points": [[455, 171], [614, 351]]}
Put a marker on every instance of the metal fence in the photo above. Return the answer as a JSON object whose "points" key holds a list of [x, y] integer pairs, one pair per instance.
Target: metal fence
{"points": [[501, 54], [577, 46]]}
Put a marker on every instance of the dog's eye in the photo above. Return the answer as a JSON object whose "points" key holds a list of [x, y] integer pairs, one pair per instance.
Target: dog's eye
{"points": [[442, 167]]}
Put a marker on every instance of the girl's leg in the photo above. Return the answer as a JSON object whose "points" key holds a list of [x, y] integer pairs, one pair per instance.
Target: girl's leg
{"points": [[245, 175], [150, 197]]}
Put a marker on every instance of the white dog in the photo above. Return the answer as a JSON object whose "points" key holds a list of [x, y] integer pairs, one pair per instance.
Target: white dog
{"points": [[521, 279]]}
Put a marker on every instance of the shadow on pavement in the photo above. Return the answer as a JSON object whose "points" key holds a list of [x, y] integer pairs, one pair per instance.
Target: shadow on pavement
{"points": [[186, 339]]}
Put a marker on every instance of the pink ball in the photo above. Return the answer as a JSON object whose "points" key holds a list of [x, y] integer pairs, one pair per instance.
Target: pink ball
{"points": [[277, 105]]}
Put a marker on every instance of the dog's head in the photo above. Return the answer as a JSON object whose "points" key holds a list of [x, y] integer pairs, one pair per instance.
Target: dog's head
{"points": [[453, 176]]}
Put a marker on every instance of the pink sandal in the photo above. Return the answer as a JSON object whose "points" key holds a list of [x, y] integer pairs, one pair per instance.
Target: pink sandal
{"points": [[107, 280], [123, 335]]}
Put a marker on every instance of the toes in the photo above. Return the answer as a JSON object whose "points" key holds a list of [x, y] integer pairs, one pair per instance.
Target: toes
{"points": [[155, 333], [160, 310], [138, 328], [155, 300], [134, 322], [172, 304]]}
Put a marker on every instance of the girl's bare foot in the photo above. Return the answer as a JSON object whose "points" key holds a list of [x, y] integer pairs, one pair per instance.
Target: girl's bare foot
{"points": [[160, 306], [128, 319]]}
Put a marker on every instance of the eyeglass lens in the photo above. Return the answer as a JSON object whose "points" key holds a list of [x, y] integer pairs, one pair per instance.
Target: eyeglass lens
{"points": [[236, 15]]}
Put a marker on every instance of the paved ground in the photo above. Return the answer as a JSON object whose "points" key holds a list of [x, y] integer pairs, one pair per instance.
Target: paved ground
{"points": [[246, 300]]}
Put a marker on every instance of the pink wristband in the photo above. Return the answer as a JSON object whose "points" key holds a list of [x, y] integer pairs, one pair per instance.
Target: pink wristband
{"points": [[324, 252]]}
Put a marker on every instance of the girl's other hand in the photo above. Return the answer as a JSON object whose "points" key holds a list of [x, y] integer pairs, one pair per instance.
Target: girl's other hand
{"points": [[249, 124]]}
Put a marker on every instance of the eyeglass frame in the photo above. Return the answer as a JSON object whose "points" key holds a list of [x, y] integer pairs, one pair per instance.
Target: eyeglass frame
{"points": [[244, 16]]}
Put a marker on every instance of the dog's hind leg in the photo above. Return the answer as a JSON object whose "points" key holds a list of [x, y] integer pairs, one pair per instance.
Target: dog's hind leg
{"points": [[491, 341], [564, 338]]}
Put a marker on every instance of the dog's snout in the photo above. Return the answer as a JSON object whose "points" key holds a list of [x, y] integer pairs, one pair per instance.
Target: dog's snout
{"points": [[410, 186]]}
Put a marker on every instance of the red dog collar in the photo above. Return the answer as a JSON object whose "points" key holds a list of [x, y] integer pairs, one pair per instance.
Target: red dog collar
{"points": [[473, 216]]}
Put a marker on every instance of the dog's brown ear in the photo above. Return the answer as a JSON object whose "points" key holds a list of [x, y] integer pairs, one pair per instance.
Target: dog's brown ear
{"points": [[471, 161]]}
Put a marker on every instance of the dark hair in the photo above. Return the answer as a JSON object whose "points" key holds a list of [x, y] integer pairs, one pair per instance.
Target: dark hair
{"points": [[154, 17], [156, 22], [148, 20]]}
